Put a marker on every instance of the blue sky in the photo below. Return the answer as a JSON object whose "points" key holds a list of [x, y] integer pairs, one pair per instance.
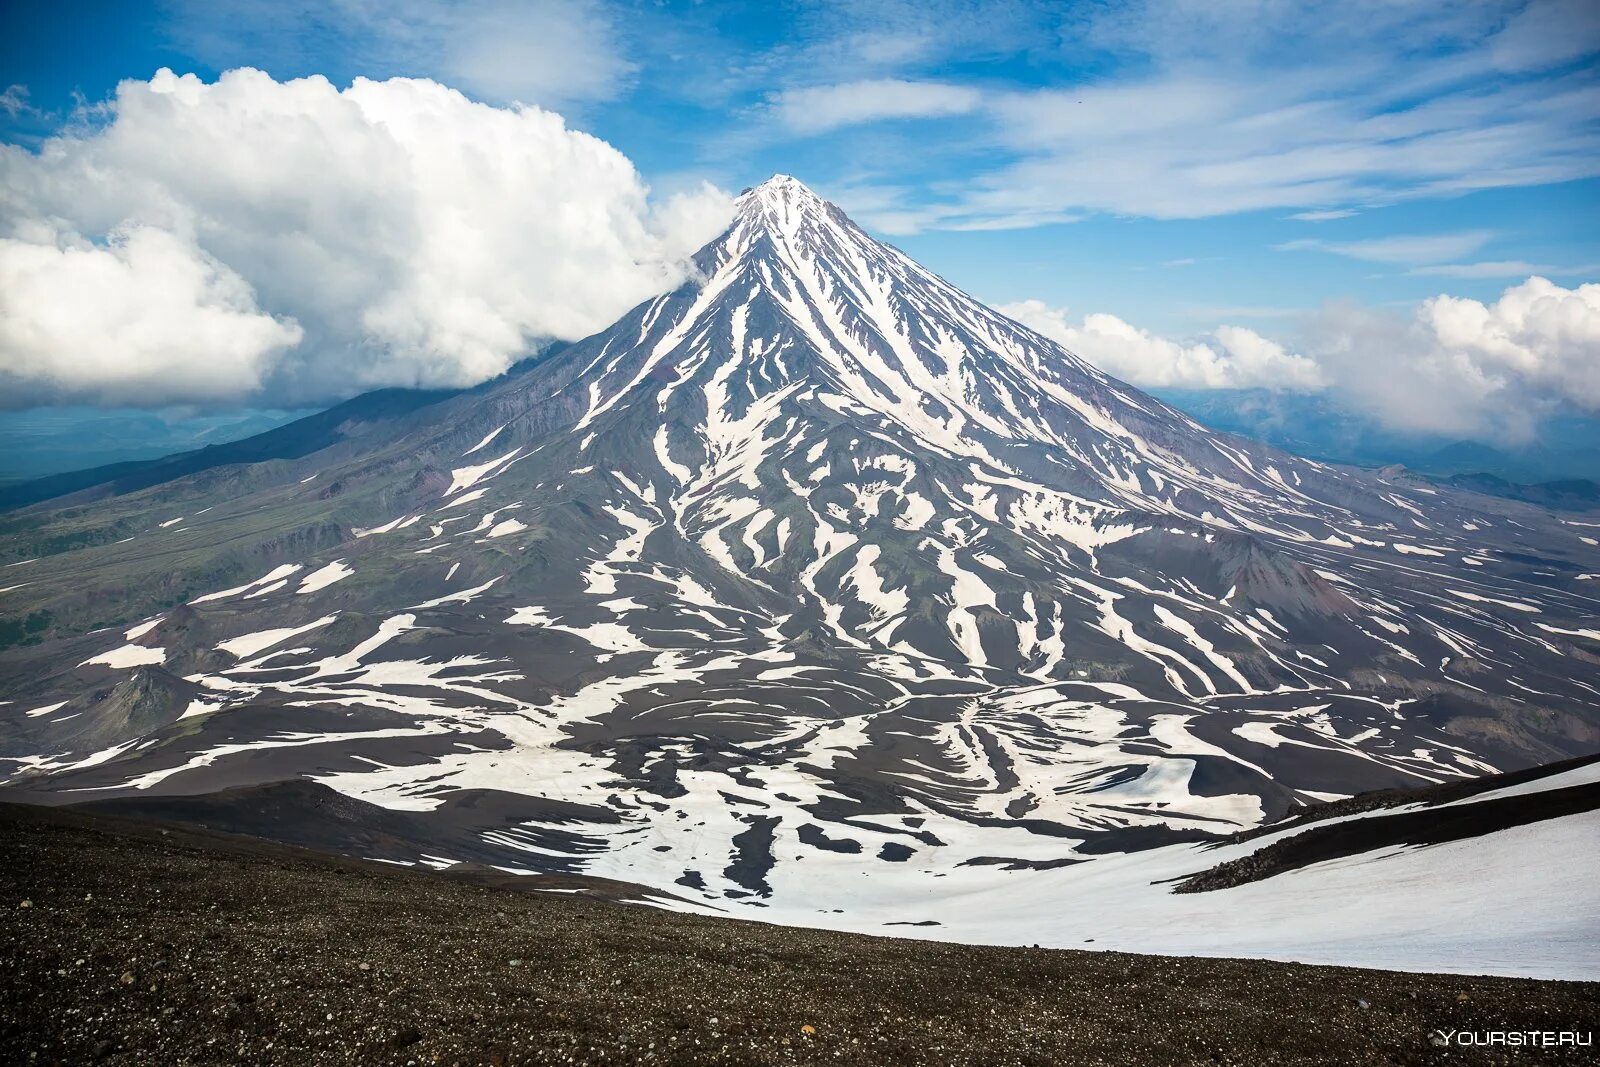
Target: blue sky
{"points": [[1180, 166]]}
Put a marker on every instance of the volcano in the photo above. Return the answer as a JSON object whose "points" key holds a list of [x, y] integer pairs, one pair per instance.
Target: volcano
{"points": [[813, 590]]}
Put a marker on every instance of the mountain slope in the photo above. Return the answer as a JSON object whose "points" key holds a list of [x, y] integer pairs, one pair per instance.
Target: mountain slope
{"points": [[244, 950], [802, 585]]}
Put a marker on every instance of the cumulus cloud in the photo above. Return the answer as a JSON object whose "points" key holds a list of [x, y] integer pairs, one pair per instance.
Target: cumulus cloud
{"points": [[320, 241], [828, 107], [115, 323], [685, 220], [1468, 368], [1232, 358], [1452, 366], [1537, 333]]}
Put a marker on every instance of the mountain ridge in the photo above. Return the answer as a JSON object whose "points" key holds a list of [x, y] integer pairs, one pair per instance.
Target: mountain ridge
{"points": [[817, 577]]}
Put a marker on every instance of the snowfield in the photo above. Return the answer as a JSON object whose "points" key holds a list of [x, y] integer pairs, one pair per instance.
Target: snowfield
{"points": [[817, 592]]}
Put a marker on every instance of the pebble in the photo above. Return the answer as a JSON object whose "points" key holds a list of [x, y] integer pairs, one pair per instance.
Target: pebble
{"points": [[285, 966]]}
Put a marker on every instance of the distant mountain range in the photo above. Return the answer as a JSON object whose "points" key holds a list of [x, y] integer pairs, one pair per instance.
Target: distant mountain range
{"points": [[284, 440], [1317, 426], [39, 442], [815, 590]]}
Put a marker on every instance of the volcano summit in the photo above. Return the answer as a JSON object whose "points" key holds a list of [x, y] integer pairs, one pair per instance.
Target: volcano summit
{"points": [[817, 591]]}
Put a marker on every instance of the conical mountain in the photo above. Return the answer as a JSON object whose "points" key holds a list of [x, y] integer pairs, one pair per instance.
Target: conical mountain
{"points": [[812, 570]]}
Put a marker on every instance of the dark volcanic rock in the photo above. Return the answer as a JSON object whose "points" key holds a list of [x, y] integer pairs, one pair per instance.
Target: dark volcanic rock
{"points": [[143, 945]]}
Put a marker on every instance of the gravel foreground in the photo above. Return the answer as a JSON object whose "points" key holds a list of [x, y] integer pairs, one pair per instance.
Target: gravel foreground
{"points": [[127, 943]]}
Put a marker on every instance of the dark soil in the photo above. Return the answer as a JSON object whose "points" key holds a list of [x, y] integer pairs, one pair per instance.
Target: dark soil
{"points": [[130, 943]]}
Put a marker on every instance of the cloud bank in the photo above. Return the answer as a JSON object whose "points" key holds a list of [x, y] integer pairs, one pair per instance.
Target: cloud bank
{"points": [[1232, 358], [115, 323], [289, 242], [1463, 367], [1454, 366]]}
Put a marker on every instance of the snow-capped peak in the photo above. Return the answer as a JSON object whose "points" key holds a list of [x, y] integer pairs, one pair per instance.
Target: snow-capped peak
{"points": [[782, 187], [820, 563], [786, 210]]}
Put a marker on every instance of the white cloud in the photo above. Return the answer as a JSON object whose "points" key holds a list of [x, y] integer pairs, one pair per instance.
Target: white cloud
{"points": [[685, 220], [1466, 368], [1503, 268], [828, 107], [553, 53], [1392, 368], [1537, 333], [1400, 248], [1548, 33], [844, 40], [1326, 215], [412, 236], [147, 316], [547, 52], [14, 101], [1452, 366], [1371, 103], [1234, 357]]}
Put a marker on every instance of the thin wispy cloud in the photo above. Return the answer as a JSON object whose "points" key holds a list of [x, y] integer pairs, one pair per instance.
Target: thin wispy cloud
{"points": [[1505, 268], [829, 107], [1383, 103], [14, 100], [555, 53], [1400, 248]]}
